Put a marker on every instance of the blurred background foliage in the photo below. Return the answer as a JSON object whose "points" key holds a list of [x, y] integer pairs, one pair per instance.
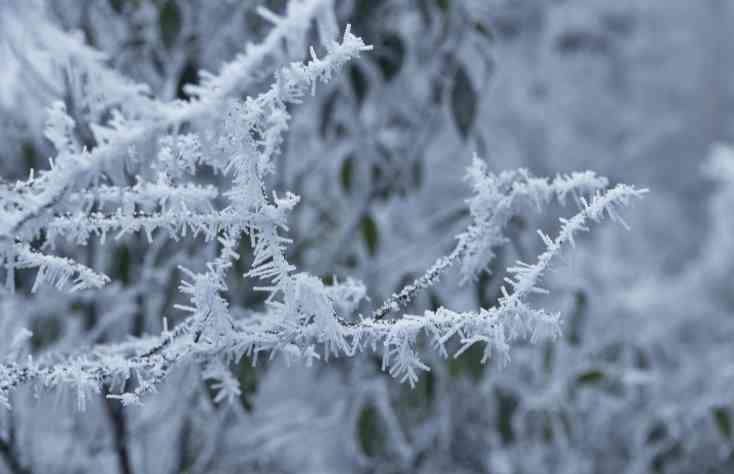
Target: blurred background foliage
{"points": [[636, 90]]}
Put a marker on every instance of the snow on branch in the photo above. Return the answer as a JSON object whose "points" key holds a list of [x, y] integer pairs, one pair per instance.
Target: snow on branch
{"points": [[292, 25], [307, 320], [302, 318], [42, 193], [495, 200], [63, 273]]}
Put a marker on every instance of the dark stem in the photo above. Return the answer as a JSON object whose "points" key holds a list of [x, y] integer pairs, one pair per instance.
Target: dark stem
{"points": [[10, 456], [119, 434]]}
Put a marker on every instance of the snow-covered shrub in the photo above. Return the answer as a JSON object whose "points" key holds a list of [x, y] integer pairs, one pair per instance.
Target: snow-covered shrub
{"points": [[72, 202], [199, 238]]}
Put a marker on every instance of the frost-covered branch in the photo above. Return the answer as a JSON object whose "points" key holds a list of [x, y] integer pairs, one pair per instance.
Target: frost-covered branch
{"points": [[79, 168], [306, 326], [493, 205], [302, 318]]}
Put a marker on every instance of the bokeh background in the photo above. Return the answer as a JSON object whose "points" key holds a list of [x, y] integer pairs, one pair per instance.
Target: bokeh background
{"points": [[641, 91]]}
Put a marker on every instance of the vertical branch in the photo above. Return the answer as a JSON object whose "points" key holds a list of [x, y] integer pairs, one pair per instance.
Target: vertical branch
{"points": [[119, 434], [10, 456]]}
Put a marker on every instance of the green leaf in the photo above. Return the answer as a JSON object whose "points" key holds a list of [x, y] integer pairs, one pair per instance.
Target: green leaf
{"points": [[463, 102], [363, 13], [370, 234], [484, 298], [30, 156], [723, 421], [121, 264], [169, 22], [443, 4], [359, 83], [434, 301], [657, 433], [506, 406], [189, 76], [370, 432], [347, 173], [247, 376], [390, 55], [117, 5], [590, 377], [484, 30], [417, 172], [642, 361], [549, 354], [548, 432], [575, 321]]}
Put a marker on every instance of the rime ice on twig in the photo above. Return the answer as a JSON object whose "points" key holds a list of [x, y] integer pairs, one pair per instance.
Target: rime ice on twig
{"points": [[495, 200], [303, 319]]}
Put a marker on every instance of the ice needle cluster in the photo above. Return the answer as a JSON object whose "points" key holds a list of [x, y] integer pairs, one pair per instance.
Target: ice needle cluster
{"points": [[112, 190]]}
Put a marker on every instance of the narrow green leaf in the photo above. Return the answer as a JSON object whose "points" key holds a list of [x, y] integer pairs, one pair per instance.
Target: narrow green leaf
{"points": [[576, 319], [247, 376], [590, 378], [359, 83], [723, 421], [169, 22], [484, 30], [548, 432], [188, 76], [117, 5], [370, 234], [346, 173], [30, 155], [370, 433], [122, 264], [506, 406], [417, 172], [549, 354], [463, 102], [390, 55]]}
